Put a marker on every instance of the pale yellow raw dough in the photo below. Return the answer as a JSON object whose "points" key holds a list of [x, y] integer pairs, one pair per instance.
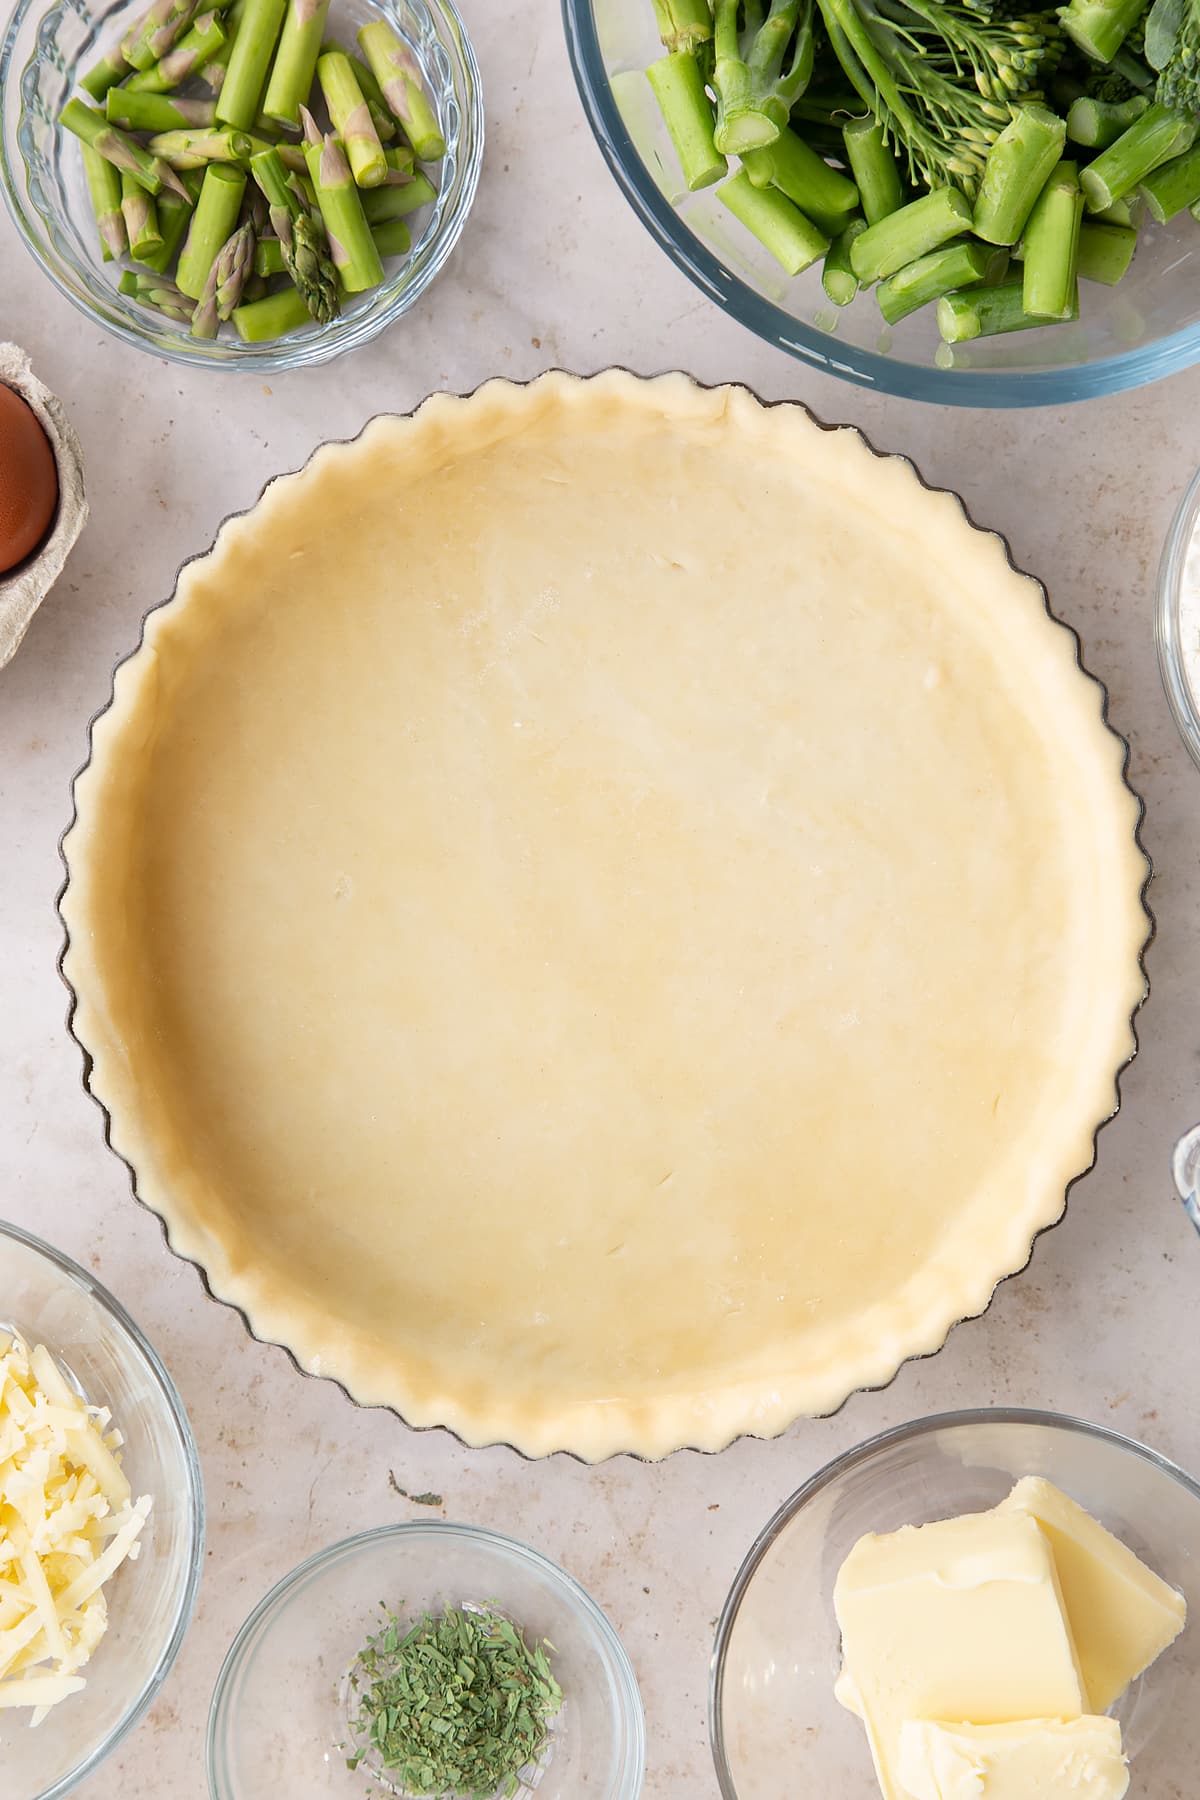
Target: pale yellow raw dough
{"points": [[606, 916]]}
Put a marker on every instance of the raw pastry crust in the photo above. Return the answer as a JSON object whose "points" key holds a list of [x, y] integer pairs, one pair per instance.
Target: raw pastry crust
{"points": [[605, 915]]}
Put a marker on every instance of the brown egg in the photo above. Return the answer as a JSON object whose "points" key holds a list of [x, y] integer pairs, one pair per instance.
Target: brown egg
{"points": [[28, 480]]}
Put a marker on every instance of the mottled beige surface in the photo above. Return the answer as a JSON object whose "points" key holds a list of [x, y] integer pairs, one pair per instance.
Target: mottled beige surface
{"points": [[594, 983], [556, 269]]}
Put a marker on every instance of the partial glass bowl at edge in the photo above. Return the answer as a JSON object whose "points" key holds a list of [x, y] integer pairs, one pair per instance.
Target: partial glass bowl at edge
{"points": [[52, 1301], [1145, 327], [45, 50], [278, 1721], [777, 1730], [1179, 658]]}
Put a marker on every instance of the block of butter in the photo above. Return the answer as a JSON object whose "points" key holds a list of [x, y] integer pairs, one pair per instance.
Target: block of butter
{"points": [[1079, 1757], [961, 1619], [1122, 1614]]}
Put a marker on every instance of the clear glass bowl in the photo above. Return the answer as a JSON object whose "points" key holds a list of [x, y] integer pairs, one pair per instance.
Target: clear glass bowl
{"points": [[1178, 639], [51, 1301], [1146, 327], [44, 51], [777, 1730], [278, 1720]]}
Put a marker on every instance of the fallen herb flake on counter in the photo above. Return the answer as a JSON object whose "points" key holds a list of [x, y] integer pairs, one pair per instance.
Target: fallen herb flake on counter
{"points": [[457, 1703], [428, 1499]]}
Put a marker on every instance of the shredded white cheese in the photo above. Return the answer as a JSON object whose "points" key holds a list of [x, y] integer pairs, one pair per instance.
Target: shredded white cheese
{"points": [[68, 1520]]}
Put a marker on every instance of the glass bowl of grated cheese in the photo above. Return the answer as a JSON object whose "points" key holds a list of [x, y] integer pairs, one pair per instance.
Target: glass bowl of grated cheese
{"points": [[101, 1521], [1177, 618]]}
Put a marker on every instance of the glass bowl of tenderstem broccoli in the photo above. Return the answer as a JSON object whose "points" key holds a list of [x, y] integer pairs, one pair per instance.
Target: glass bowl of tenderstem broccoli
{"points": [[256, 184], [974, 202]]}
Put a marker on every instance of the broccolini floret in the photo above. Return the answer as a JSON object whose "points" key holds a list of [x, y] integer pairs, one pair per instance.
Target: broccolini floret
{"points": [[943, 77], [1173, 50]]}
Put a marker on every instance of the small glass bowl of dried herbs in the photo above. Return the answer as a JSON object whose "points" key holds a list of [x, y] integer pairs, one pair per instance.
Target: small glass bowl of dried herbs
{"points": [[452, 1703], [487, 1674]]}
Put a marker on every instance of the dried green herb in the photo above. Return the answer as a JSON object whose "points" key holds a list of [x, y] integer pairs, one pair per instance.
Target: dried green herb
{"points": [[456, 1704]]}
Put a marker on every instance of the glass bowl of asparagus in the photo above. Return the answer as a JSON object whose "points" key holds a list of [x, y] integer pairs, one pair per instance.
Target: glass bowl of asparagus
{"points": [[257, 184], [971, 202]]}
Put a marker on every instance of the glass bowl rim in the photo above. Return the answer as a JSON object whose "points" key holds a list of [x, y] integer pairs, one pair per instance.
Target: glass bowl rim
{"points": [[625, 1681], [79, 1277], [1185, 707], [821, 350], [853, 1458], [316, 348]]}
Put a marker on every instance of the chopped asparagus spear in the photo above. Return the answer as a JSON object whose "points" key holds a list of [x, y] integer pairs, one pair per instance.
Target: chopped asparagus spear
{"points": [[793, 240], [158, 31], [1098, 123], [875, 169], [837, 276], [1121, 212], [1105, 252], [141, 219], [301, 240], [104, 75], [985, 312], [262, 321], [196, 48], [295, 60], [1173, 186], [943, 271], [1155, 138], [385, 123], [104, 186], [823, 194], [195, 149], [689, 118], [1100, 27], [392, 238], [268, 257], [354, 254], [351, 119], [253, 47], [211, 226], [155, 112], [400, 163], [396, 202], [398, 73], [124, 152], [1018, 166], [914, 230], [165, 298], [173, 217], [1052, 246], [226, 279]]}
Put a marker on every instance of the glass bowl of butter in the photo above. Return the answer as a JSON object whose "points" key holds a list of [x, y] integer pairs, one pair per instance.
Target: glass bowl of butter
{"points": [[988, 1603]]}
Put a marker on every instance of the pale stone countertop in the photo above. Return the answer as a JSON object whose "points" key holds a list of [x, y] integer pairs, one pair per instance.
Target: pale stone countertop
{"points": [[556, 270]]}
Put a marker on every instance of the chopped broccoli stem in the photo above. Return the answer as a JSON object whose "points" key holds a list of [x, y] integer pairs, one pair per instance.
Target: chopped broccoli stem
{"points": [[943, 271], [1018, 166], [1155, 138], [683, 24], [985, 312], [905, 235], [1105, 252], [874, 168], [789, 164], [1100, 27], [754, 82], [837, 276], [1173, 186], [1098, 123], [794, 241], [1052, 246], [688, 114]]}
